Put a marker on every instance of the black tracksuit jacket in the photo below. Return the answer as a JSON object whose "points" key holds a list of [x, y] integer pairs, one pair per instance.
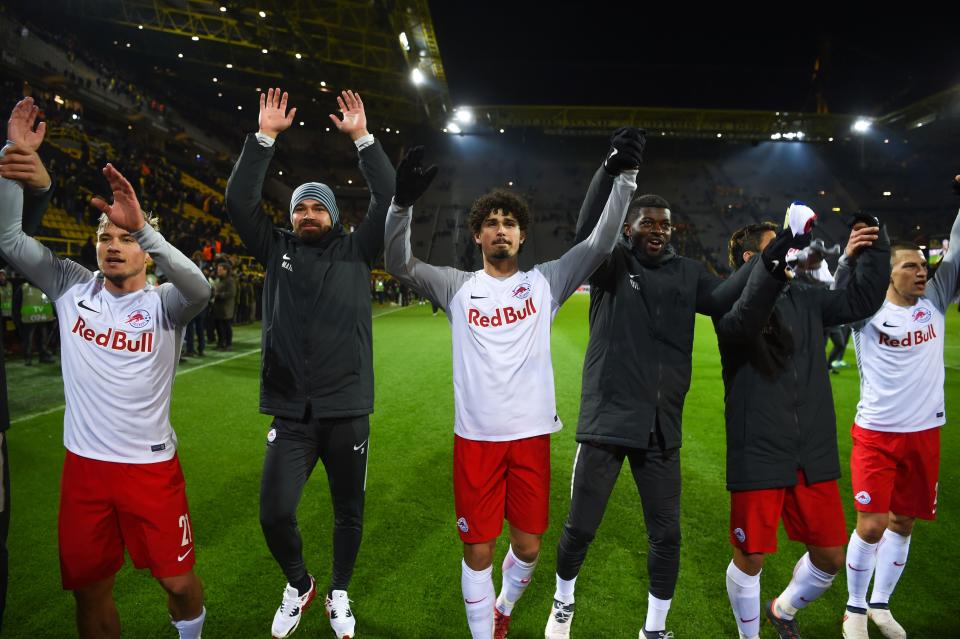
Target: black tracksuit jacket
{"points": [[779, 404], [317, 327], [636, 372]]}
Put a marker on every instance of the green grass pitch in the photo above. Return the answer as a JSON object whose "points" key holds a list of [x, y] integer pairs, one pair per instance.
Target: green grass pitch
{"points": [[407, 580]]}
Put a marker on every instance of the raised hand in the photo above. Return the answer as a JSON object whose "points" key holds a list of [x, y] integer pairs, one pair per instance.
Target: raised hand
{"points": [[23, 164], [860, 238], [125, 212], [412, 179], [274, 118], [626, 150], [20, 125], [774, 256], [354, 122]]}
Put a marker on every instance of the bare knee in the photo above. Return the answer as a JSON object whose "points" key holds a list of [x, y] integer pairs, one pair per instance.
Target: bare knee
{"points": [[479, 556], [870, 526], [96, 594], [749, 563], [526, 546], [827, 559], [182, 586], [901, 524]]}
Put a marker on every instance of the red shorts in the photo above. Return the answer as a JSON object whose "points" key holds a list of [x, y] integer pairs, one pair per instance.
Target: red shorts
{"points": [[497, 480], [895, 471], [812, 514], [106, 506]]}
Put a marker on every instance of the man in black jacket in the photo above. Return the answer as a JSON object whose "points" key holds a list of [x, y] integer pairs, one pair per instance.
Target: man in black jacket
{"points": [[782, 457], [317, 370], [22, 163], [643, 304]]}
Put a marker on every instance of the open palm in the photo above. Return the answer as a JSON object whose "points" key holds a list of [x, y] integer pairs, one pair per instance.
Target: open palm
{"points": [[354, 122], [20, 125], [125, 211], [273, 112]]}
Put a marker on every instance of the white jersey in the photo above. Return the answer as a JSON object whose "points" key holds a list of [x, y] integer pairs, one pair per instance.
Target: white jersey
{"points": [[502, 370], [119, 352], [900, 353], [128, 345], [900, 356]]}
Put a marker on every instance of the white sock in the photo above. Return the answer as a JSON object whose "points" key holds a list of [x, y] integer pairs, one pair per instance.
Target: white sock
{"points": [[565, 589], [516, 578], [806, 586], [657, 610], [478, 599], [191, 628], [744, 593], [892, 554], [861, 560]]}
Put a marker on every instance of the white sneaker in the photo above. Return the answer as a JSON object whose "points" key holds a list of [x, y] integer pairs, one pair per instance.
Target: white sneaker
{"points": [[854, 625], [341, 617], [558, 624], [888, 626], [287, 618]]}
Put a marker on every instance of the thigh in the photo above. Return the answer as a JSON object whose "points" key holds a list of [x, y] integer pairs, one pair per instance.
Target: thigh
{"points": [[345, 450], [291, 454], [813, 514], [657, 475], [528, 484], [754, 519], [873, 468], [479, 488], [154, 517], [91, 544], [915, 487], [595, 472]]}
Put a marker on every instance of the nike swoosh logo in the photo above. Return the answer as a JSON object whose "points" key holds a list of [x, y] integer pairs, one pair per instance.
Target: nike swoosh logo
{"points": [[286, 257], [898, 564], [524, 581], [802, 598], [612, 153], [473, 602], [184, 555], [850, 566], [84, 306], [360, 445], [749, 620], [478, 297], [891, 325]]}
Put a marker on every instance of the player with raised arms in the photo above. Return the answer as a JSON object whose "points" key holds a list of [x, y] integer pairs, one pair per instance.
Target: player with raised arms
{"points": [[895, 461], [122, 486], [505, 407]]}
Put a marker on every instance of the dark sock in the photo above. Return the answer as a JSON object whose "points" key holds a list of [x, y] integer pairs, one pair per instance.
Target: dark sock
{"points": [[302, 585]]}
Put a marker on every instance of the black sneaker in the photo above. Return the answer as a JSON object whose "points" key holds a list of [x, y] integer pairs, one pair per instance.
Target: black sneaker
{"points": [[786, 628]]}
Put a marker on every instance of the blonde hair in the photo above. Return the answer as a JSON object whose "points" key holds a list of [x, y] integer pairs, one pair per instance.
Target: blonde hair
{"points": [[149, 218]]}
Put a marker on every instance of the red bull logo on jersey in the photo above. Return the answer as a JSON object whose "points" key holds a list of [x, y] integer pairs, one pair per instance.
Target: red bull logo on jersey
{"points": [[502, 316], [138, 318], [912, 338], [522, 291], [922, 315], [114, 339]]}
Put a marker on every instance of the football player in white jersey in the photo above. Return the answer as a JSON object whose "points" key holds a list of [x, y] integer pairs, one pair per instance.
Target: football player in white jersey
{"points": [[122, 486], [504, 399], [895, 461]]}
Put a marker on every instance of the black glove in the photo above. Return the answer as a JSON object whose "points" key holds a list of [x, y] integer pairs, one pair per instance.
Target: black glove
{"points": [[626, 150], [775, 255], [412, 179]]}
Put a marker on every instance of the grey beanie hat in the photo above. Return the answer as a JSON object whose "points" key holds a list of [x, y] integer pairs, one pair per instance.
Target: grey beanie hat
{"points": [[319, 192]]}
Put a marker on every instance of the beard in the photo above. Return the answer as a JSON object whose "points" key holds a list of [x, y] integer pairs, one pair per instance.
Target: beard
{"points": [[312, 233]]}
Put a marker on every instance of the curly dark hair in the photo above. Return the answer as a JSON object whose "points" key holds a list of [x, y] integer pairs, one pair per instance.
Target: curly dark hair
{"points": [[747, 239], [499, 199]]}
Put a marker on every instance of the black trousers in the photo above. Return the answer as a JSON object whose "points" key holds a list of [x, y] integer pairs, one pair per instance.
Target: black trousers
{"points": [[657, 475], [224, 332], [293, 449], [4, 523]]}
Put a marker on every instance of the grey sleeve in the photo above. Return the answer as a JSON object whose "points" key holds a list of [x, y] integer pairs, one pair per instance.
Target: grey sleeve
{"points": [[569, 271], [943, 286], [841, 278], [35, 261], [187, 291], [438, 283]]}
